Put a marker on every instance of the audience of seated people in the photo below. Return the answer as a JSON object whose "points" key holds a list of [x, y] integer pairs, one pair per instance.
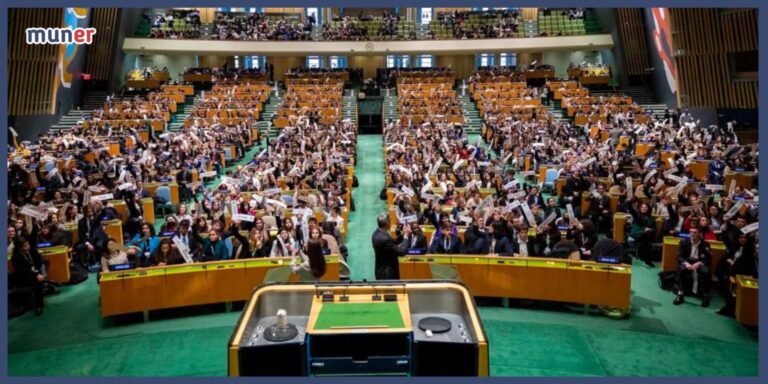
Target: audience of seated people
{"points": [[365, 27], [482, 192], [487, 24], [258, 26], [295, 190]]}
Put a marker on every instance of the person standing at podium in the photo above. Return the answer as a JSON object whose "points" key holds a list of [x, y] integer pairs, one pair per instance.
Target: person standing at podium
{"points": [[387, 251]]}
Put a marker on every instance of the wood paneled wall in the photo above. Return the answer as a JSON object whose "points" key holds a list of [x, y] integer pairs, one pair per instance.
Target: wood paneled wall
{"points": [[703, 38], [100, 54], [441, 10], [525, 58], [284, 63], [634, 40], [32, 68], [368, 64], [529, 13], [284, 10], [463, 64]]}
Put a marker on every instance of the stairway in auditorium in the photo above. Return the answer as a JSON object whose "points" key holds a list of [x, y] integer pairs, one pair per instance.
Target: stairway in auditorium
{"points": [[531, 28], [273, 103], [557, 113], [390, 106], [182, 114], [349, 105], [473, 122], [317, 32], [95, 100], [640, 94]]}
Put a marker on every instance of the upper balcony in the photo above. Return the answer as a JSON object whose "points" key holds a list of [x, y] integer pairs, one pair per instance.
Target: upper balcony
{"points": [[465, 32]]}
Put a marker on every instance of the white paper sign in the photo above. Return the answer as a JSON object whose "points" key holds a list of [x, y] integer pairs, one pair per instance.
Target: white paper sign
{"points": [[548, 220], [714, 187], [182, 249], [516, 195], [735, 209], [277, 203], [272, 191], [248, 218], [630, 192], [528, 214], [732, 188], [569, 209], [649, 175], [750, 228], [510, 185], [408, 219], [676, 178], [107, 196], [27, 211], [125, 186]]}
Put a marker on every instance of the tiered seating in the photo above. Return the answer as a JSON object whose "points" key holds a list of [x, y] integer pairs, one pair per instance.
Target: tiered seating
{"points": [[589, 109], [502, 100], [147, 78], [559, 24], [428, 100], [476, 25], [374, 29], [590, 74], [317, 99], [232, 101]]}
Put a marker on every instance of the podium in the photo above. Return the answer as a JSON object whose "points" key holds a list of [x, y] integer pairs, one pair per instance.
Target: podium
{"points": [[392, 328]]}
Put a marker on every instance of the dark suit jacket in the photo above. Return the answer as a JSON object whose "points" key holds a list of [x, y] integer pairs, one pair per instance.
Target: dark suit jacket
{"points": [[438, 246], [503, 246], [386, 252], [535, 247], [421, 241], [195, 247], [86, 233], [684, 253]]}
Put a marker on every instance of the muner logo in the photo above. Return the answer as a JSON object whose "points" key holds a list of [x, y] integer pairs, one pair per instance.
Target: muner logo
{"points": [[64, 36]]}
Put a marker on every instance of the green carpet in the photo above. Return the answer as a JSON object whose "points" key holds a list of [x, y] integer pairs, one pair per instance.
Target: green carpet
{"points": [[527, 339]]}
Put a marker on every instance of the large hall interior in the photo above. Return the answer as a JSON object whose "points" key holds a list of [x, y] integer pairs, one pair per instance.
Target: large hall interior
{"points": [[589, 175]]}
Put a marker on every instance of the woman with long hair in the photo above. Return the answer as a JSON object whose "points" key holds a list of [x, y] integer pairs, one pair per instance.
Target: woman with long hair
{"points": [[313, 264]]}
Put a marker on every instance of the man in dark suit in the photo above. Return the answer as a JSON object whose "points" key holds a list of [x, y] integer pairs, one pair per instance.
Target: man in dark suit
{"points": [[88, 246], [496, 242], [693, 259], [526, 245], [446, 243], [140, 191], [600, 210], [183, 177], [184, 234], [386, 251]]}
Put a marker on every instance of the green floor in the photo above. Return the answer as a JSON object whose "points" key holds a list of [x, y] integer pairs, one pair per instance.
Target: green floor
{"points": [[659, 339]]}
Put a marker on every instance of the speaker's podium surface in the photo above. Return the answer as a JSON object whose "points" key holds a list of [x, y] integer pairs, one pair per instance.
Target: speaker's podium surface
{"points": [[414, 328]]}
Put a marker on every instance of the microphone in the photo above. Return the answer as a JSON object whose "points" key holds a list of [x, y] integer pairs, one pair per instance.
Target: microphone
{"points": [[375, 296]]}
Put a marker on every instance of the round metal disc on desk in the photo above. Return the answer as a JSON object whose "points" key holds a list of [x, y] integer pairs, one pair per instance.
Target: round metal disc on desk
{"points": [[435, 324], [277, 334]]}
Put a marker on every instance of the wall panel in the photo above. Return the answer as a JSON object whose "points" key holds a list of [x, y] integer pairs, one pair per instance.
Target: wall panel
{"points": [[703, 39], [633, 39], [100, 54], [31, 68]]}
